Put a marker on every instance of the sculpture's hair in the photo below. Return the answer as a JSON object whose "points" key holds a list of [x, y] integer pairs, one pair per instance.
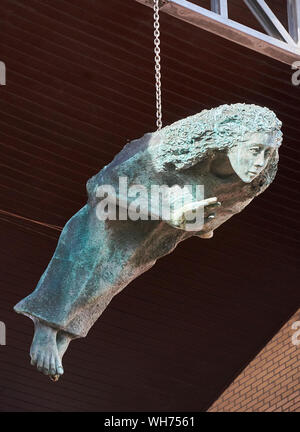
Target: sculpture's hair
{"points": [[188, 141]]}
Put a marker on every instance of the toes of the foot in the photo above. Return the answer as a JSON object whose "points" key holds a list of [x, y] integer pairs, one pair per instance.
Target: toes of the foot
{"points": [[33, 355], [54, 378], [52, 365], [40, 362], [59, 368], [46, 365]]}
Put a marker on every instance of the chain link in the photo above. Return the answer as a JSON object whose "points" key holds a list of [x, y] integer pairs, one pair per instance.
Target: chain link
{"points": [[157, 64]]}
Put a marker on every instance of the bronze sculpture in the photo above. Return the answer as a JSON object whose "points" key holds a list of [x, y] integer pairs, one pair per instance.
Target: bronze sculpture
{"points": [[231, 150]]}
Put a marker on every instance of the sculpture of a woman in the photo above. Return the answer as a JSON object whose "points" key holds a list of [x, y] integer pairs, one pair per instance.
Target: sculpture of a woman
{"points": [[231, 150]]}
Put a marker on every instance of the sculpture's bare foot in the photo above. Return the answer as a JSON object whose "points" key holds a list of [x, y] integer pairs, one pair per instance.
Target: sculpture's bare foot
{"points": [[44, 352], [62, 341]]}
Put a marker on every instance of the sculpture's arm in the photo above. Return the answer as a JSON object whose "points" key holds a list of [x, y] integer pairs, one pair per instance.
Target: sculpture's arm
{"points": [[182, 218]]}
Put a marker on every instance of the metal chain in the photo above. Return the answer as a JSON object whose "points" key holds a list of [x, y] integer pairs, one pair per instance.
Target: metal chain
{"points": [[157, 64]]}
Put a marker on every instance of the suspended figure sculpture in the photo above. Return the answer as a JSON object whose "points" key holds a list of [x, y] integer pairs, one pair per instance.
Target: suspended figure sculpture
{"points": [[231, 150]]}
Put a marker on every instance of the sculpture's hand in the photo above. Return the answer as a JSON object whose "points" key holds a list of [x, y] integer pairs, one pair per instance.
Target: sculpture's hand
{"points": [[183, 216]]}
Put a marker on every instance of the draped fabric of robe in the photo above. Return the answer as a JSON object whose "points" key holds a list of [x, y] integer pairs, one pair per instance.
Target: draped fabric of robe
{"points": [[94, 259]]}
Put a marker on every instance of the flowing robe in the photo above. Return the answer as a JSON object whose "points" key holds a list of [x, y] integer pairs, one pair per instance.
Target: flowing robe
{"points": [[94, 259]]}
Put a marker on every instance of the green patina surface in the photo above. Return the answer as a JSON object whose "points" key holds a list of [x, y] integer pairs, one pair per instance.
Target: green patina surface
{"points": [[95, 260]]}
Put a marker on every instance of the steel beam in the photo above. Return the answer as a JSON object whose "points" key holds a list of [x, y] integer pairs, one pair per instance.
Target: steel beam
{"points": [[281, 50], [293, 8], [268, 20], [220, 7]]}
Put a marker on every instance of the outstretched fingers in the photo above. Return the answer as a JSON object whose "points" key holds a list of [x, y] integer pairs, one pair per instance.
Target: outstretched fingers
{"points": [[209, 201], [213, 204]]}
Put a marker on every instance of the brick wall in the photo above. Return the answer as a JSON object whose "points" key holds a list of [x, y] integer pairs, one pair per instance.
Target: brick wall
{"points": [[271, 382]]}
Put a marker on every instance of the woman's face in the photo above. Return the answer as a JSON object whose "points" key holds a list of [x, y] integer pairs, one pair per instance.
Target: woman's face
{"points": [[250, 157]]}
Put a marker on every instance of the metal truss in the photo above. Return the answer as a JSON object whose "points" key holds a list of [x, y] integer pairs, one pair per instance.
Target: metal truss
{"points": [[277, 42]]}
